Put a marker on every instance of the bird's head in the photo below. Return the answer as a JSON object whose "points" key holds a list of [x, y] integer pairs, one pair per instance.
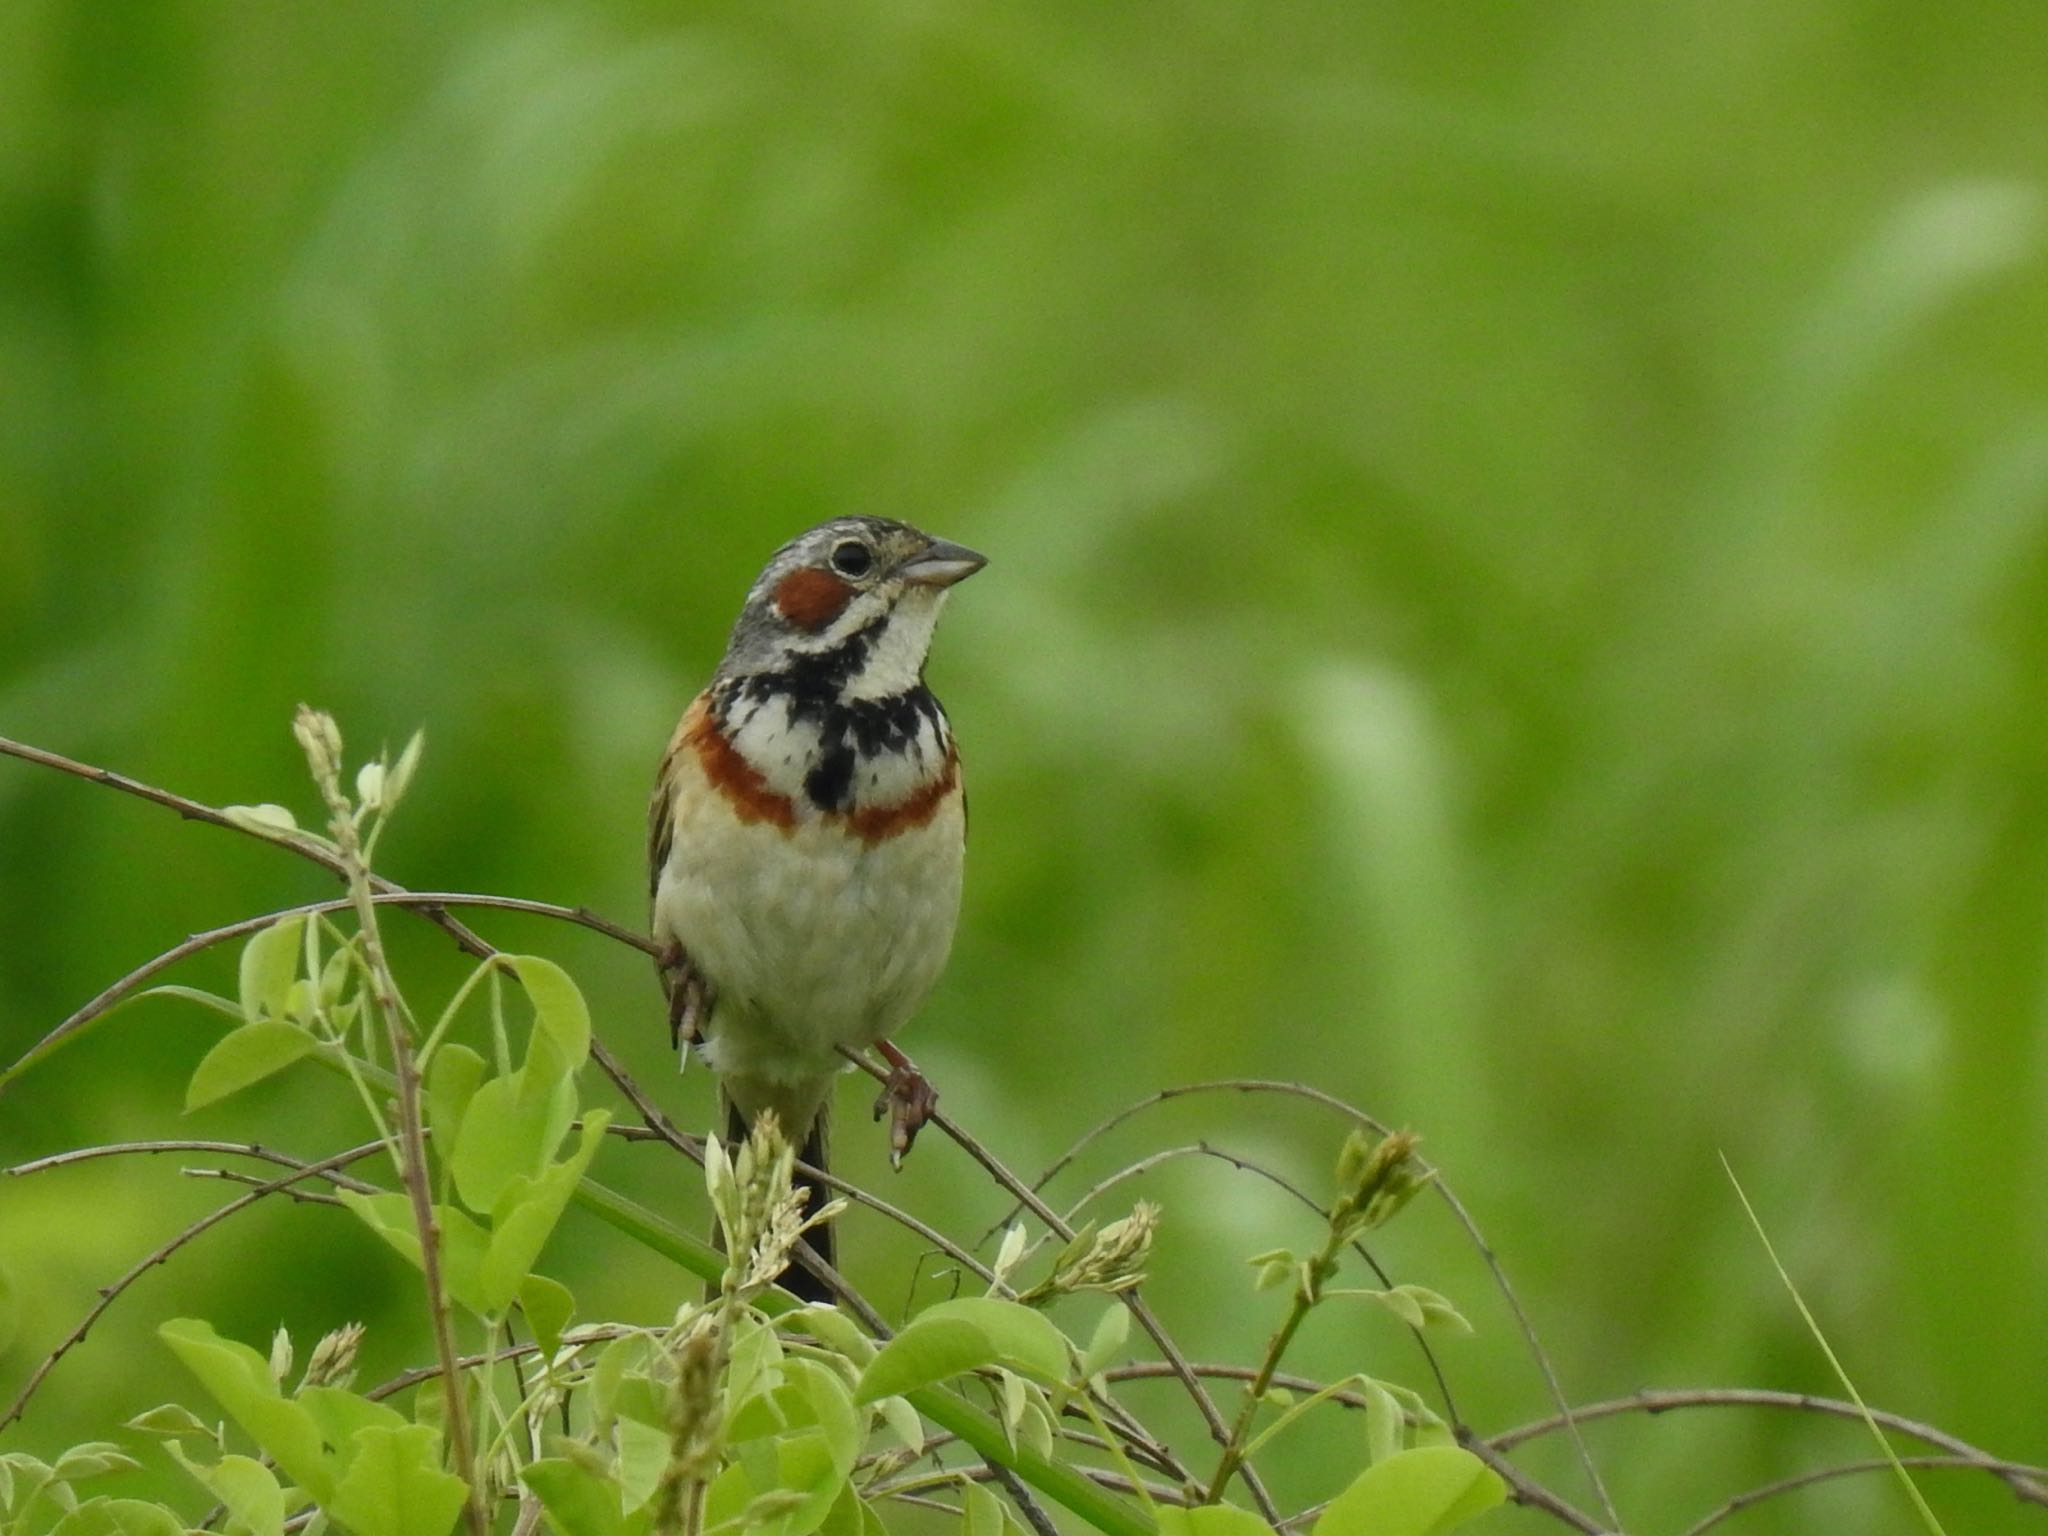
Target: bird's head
{"points": [[861, 591]]}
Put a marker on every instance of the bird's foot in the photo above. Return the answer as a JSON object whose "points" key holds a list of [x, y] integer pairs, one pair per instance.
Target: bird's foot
{"points": [[689, 998], [907, 1098]]}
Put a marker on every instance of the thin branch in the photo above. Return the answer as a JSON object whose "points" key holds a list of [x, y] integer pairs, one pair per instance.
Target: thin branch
{"points": [[1140, 1309], [1526, 1491], [1250, 1085], [919, 1501], [157, 1148], [236, 1176], [1116, 1482], [1654, 1403], [160, 1255], [2014, 1473]]}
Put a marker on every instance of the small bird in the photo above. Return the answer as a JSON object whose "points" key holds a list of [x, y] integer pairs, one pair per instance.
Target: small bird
{"points": [[807, 832]]}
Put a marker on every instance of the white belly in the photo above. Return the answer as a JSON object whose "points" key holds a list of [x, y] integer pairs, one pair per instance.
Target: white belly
{"points": [[811, 938]]}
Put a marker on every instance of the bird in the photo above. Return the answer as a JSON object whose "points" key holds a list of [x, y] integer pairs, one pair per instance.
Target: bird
{"points": [[807, 835]]}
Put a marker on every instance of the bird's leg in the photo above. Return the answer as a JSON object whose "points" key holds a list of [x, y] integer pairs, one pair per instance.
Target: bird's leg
{"points": [[689, 998], [908, 1099]]}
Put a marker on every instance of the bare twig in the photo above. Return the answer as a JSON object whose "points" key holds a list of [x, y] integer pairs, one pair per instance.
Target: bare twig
{"points": [[1654, 1403], [108, 1293], [1525, 1490], [1115, 1481], [157, 1148], [236, 1176], [2014, 1473]]}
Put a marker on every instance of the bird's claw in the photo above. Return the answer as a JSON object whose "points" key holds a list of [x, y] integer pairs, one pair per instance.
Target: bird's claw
{"points": [[908, 1099], [689, 999]]}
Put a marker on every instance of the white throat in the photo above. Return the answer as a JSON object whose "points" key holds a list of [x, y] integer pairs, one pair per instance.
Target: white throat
{"points": [[895, 661]]}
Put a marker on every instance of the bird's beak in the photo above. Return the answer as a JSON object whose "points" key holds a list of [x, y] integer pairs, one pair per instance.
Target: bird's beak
{"points": [[941, 563]]}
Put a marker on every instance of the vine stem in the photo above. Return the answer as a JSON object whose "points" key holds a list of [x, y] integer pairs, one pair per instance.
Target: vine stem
{"points": [[321, 739], [1307, 1284]]}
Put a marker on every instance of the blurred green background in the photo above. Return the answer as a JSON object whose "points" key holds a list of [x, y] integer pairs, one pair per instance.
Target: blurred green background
{"points": [[1516, 595]]}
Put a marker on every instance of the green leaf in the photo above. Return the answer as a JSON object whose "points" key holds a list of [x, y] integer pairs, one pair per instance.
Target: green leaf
{"points": [[578, 1500], [452, 1080], [395, 1486], [270, 963], [1385, 1425], [964, 1335], [808, 1397], [1107, 1342], [548, 1307], [95, 1458], [1422, 1492], [239, 1380], [561, 1035], [802, 1437], [249, 1490], [526, 1214], [846, 1517], [805, 1464], [463, 1242], [244, 1056], [340, 1413], [756, 1353], [1420, 1307], [833, 1329], [171, 1420], [509, 1133], [1402, 1305], [33, 1473], [1035, 1432], [904, 1423], [1210, 1520], [644, 1451], [119, 1517], [983, 1513], [731, 1492]]}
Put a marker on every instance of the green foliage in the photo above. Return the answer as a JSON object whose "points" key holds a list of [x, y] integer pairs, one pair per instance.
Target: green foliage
{"points": [[742, 1413], [956, 1336], [1426, 1491]]}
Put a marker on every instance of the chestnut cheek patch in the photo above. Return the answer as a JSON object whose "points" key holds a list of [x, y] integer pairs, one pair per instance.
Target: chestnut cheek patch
{"points": [[811, 599]]}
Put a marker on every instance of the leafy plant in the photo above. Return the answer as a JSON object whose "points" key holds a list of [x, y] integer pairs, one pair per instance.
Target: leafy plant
{"points": [[743, 1411]]}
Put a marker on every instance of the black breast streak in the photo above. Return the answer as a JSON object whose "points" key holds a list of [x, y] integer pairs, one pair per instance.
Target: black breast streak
{"points": [[851, 732], [830, 781]]}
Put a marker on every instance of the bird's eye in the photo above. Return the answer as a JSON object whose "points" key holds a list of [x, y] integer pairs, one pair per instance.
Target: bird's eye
{"points": [[853, 558]]}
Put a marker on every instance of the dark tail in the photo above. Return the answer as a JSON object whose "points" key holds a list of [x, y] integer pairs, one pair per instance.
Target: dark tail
{"points": [[797, 1280]]}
